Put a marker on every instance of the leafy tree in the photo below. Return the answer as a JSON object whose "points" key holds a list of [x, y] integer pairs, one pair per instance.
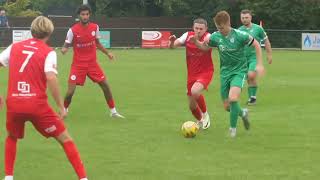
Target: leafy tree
{"points": [[20, 8], [118, 8], [46, 6]]}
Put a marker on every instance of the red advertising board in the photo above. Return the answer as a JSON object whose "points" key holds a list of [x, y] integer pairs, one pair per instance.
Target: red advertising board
{"points": [[155, 39]]}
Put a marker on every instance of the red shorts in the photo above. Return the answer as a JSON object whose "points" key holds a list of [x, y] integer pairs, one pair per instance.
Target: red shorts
{"points": [[43, 118], [78, 74], [204, 79]]}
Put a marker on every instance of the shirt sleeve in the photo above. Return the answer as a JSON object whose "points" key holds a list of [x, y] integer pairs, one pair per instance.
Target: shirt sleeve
{"points": [[182, 39], [69, 37], [98, 36], [250, 40], [245, 38], [5, 56], [207, 38], [51, 62]]}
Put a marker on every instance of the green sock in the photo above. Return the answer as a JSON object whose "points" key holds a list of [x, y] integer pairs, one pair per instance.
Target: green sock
{"points": [[252, 91], [234, 113]]}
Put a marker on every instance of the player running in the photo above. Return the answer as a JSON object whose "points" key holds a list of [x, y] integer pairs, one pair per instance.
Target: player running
{"points": [[233, 64], [84, 37], [32, 67], [260, 35], [200, 70]]}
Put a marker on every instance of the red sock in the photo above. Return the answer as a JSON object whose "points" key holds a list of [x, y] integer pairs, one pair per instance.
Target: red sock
{"points": [[10, 155], [111, 103], [74, 158], [202, 103], [197, 113], [66, 104]]}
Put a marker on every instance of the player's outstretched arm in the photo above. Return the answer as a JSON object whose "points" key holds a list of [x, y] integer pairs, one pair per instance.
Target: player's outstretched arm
{"points": [[259, 67], [201, 45], [53, 86], [173, 42], [269, 50], [104, 50]]}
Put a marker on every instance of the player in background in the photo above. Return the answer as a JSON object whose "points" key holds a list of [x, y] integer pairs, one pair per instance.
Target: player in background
{"points": [[32, 67], [233, 65], [260, 35], [84, 37], [200, 70]]}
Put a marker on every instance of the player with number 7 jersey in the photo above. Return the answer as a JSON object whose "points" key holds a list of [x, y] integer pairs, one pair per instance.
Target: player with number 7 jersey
{"points": [[27, 86], [32, 67]]}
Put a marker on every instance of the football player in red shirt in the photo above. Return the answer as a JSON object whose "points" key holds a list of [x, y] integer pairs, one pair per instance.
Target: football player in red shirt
{"points": [[200, 70], [32, 67], [84, 38]]}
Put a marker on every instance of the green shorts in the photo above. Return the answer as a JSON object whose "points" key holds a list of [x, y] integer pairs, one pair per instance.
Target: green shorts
{"points": [[252, 62], [235, 80]]}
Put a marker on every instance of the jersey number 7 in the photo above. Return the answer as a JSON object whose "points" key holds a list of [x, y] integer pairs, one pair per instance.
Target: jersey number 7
{"points": [[26, 61]]}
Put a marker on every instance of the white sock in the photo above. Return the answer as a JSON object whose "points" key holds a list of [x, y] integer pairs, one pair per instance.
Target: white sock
{"points": [[84, 179], [8, 178], [113, 110]]}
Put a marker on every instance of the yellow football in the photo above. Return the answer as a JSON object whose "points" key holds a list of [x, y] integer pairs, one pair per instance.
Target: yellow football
{"points": [[189, 129]]}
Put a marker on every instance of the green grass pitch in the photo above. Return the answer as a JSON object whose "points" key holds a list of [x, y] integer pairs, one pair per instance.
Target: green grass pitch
{"points": [[149, 87]]}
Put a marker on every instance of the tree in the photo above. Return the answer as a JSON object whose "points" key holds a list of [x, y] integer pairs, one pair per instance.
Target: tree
{"points": [[56, 6], [20, 8], [118, 8], [282, 14]]}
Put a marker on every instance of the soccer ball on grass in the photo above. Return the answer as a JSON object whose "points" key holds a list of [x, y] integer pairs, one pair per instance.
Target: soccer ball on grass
{"points": [[189, 129]]}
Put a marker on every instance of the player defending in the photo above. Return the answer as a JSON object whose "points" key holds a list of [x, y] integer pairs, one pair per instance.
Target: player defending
{"points": [[84, 37], [32, 67], [200, 70], [260, 35], [233, 65]]}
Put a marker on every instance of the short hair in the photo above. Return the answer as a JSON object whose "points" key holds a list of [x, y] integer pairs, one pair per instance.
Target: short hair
{"points": [[41, 27], [222, 17], [200, 21], [246, 11], [83, 7]]}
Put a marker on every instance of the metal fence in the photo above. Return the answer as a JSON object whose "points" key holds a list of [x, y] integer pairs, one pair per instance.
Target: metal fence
{"points": [[131, 37], [287, 38]]}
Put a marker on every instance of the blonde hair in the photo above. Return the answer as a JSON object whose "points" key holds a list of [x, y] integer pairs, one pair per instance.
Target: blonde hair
{"points": [[222, 17], [41, 27]]}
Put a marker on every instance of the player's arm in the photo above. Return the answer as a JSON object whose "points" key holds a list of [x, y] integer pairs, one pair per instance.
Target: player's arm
{"points": [[174, 42], [104, 50], [269, 50], [5, 57], [65, 48], [100, 46], [256, 45], [68, 42], [204, 46], [4, 62], [52, 81], [53, 86]]}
